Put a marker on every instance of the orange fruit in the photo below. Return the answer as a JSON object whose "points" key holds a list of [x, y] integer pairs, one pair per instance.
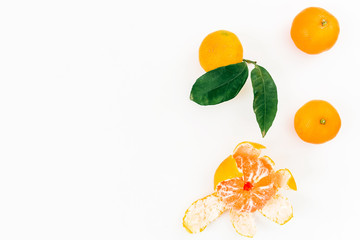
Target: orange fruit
{"points": [[245, 182], [250, 192], [218, 49], [314, 30], [317, 122]]}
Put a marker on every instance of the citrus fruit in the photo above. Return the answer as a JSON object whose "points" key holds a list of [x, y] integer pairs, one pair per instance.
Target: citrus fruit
{"points": [[245, 182], [314, 30], [250, 192], [218, 49], [317, 122]]}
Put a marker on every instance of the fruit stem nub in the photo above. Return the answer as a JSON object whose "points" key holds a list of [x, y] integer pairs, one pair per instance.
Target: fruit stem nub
{"points": [[249, 61], [322, 121], [248, 186], [323, 22]]}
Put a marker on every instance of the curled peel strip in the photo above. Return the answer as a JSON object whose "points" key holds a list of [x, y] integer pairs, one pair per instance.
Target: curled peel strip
{"points": [[202, 212], [243, 222], [278, 209]]}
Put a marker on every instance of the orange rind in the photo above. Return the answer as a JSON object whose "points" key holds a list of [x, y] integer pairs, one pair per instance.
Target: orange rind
{"points": [[245, 182], [202, 212], [226, 170], [243, 222], [269, 160], [285, 179], [278, 209], [255, 145]]}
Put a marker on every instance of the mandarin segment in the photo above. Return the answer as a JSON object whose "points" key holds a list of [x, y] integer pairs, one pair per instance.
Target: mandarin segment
{"points": [[263, 191], [252, 168], [246, 149], [255, 145], [231, 191]]}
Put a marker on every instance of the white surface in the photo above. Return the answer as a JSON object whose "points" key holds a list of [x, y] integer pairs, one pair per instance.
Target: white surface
{"points": [[99, 140]]}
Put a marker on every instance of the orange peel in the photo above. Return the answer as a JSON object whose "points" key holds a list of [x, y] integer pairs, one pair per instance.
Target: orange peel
{"points": [[243, 222], [255, 145], [285, 179], [226, 170], [267, 158], [278, 209], [202, 212]]}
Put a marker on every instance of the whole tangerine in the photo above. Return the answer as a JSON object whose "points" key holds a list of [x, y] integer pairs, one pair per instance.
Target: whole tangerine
{"points": [[220, 48], [315, 30], [317, 122]]}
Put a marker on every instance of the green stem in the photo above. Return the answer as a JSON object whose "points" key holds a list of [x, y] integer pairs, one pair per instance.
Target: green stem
{"points": [[322, 121], [323, 22], [249, 61]]}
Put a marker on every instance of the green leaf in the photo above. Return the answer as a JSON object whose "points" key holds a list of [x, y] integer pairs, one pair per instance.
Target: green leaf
{"points": [[220, 84], [265, 98]]}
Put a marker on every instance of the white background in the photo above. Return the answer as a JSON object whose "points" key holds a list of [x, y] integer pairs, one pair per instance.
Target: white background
{"points": [[99, 140]]}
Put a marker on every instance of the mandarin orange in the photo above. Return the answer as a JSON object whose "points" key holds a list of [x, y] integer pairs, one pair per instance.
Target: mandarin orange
{"points": [[220, 48], [314, 30], [317, 122]]}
